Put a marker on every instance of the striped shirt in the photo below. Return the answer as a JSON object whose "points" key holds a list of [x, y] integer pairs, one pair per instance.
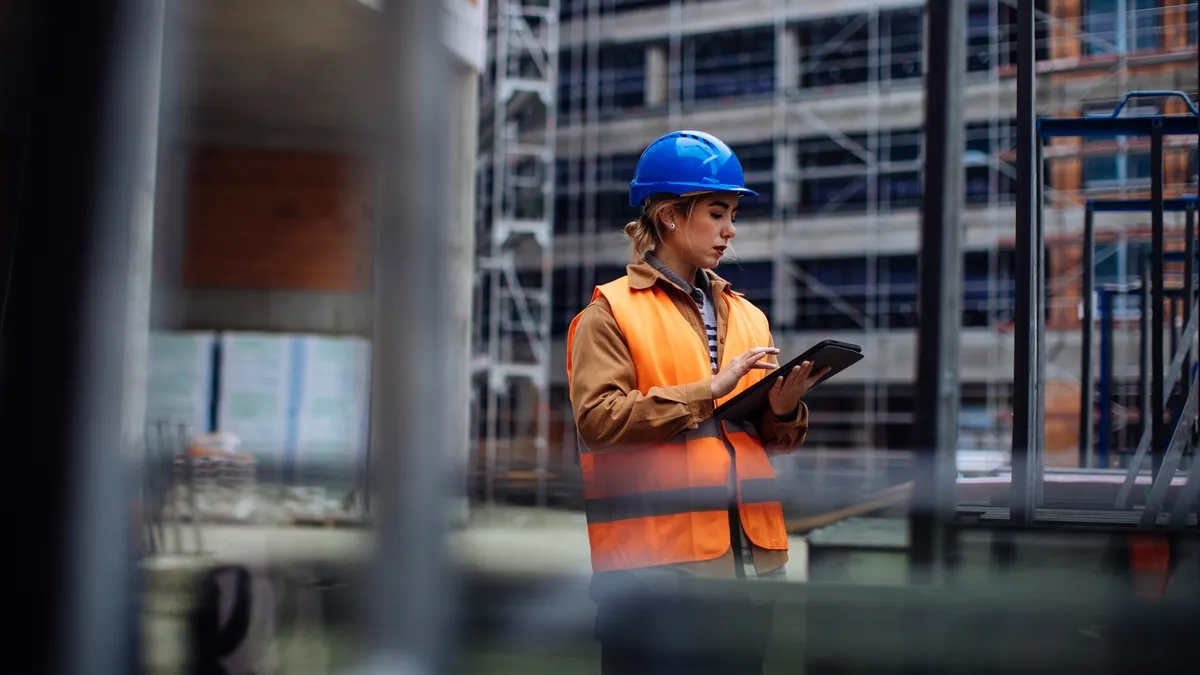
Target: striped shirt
{"points": [[701, 293]]}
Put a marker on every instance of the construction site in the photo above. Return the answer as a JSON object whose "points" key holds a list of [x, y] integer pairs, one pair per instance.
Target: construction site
{"points": [[823, 104], [287, 287]]}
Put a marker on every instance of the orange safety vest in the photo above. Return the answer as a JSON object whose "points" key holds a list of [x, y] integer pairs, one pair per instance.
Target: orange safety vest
{"points": [[670, 503]]}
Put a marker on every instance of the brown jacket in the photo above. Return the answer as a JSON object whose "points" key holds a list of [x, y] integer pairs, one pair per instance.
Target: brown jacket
{"points": [[610, 413]]}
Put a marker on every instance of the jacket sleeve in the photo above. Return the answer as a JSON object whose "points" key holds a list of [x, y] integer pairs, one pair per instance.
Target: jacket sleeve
{"points": [[782, 436], [611, 415]]}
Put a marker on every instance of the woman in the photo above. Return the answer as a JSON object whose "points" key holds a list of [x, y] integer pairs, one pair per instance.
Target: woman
{"points": [[671, 493]]}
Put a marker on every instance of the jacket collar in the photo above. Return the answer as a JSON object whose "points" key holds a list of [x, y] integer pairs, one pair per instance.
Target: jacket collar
{"points": [[642, 275]]}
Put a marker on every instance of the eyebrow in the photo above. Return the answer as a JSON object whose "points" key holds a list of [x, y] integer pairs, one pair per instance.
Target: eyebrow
{"points": [[720, 204]]}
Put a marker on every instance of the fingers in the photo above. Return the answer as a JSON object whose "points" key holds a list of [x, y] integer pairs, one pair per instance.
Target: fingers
{"points": [[752, 359]]}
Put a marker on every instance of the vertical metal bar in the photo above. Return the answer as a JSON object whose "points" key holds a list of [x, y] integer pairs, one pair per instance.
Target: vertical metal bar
{"points": [[98, 612], [411, 597], [1144, 315], [1157, 403], [1189, 289], [1173, 321], [940, 301], [1041, 308], [1087, 378], [1104, 437], [1024, 449], [189, 464]]}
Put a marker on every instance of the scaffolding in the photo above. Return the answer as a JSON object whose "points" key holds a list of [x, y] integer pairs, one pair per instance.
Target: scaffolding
{"points": [[520, 94]]}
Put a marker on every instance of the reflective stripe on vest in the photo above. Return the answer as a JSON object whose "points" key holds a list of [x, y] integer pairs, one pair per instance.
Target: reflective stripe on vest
{"points": [[669, 503]]}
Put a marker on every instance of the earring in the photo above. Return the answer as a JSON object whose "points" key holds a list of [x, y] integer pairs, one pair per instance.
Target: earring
{"points": [[671, 226]]}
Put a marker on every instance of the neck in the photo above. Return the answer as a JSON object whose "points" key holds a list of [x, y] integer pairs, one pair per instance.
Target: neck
{"points": [[677, 265]]}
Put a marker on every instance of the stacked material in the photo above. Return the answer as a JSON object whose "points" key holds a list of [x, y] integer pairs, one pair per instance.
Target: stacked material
{"points": [[218, 502]]}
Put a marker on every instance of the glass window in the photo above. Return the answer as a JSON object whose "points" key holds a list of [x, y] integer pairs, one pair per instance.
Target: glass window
{"points": [[612, 206], [1137, 28], [755, 280], [901, 33], [761, 205], [622, 77], [905, 146], [901, 189], [735, 63], [834, 195], [846, 277], [755, 158], [979, 38], [1143, 23], [837, 51], [1099, 170]]}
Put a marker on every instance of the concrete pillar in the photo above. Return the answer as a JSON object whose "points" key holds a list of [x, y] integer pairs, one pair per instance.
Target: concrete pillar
{"points": [[657, 79], [787, 64], [786, 192], [461, 242]]}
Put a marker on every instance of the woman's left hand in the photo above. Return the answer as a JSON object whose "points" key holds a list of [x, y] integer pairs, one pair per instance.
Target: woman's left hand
{"points": [[787, 391]]}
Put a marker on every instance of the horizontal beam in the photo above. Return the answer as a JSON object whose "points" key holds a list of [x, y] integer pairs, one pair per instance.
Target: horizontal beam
{"points": [[1177, 205], [1107, 127]]}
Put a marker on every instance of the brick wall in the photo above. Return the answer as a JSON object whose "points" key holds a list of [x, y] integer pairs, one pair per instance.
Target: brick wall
{"points": [[261, 219]]}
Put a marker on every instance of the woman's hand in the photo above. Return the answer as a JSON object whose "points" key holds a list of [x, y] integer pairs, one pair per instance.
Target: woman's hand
{"points": [[726, 380], [788, 389]]}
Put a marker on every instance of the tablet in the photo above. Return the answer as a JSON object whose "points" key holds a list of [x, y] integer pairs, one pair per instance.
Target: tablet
{"points": [[837, 355]]}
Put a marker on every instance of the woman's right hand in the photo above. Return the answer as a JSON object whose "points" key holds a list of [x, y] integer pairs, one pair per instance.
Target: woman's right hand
{"points": [[726, 380]]}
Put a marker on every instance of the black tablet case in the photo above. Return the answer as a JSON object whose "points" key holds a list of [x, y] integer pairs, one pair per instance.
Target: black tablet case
{"points": [[837, 355]]}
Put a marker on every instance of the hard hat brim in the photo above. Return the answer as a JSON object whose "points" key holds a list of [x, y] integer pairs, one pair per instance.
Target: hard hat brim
{"points": [[638, 192]]}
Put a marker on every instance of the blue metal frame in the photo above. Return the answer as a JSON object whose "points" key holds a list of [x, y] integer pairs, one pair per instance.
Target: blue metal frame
{"points": [[1028, 361], [1105, 295], [1185, 204], [1105, 126]]}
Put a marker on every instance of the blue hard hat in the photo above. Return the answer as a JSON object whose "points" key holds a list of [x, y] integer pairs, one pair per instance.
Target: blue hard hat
{"points": [[686, 161]]}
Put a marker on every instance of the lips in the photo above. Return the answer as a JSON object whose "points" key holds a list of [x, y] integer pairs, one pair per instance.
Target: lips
{"points": [[720, 250]]}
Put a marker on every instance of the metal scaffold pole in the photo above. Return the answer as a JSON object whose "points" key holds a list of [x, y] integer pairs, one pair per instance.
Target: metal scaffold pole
{"points": [[1026, 448], [74, 330], [940, 299], [411, 592]]}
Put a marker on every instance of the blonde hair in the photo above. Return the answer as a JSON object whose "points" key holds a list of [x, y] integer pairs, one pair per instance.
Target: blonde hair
{"points": [[644, 234]]}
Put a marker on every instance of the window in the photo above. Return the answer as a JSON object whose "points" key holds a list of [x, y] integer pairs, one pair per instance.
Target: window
{"points": [[901, 34], [897, 283], [755, 158], [845, 277], [568, 212], [979, 38], [755, 280], [837, 51], [1107, 30], [761, 205], [1121, 169], [612, 206], [612, 6], [572, 85], [735, 63], [617, 169], [622, 77]]}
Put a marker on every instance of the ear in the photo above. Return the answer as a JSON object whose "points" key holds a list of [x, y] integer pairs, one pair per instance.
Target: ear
{"points": [[678, 214]]}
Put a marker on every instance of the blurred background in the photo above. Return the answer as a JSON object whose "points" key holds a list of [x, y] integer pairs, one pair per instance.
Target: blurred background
{"points": [[266, 262]]}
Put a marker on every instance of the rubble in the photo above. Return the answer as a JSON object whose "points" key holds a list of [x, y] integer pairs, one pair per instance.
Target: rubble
{"points": [[227, 491], [259, 505]]}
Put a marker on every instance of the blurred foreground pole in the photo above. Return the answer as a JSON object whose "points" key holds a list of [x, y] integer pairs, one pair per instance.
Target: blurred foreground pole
{"points": [[933, 501], [75, 329], [1027, 316], [411, 595]]}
